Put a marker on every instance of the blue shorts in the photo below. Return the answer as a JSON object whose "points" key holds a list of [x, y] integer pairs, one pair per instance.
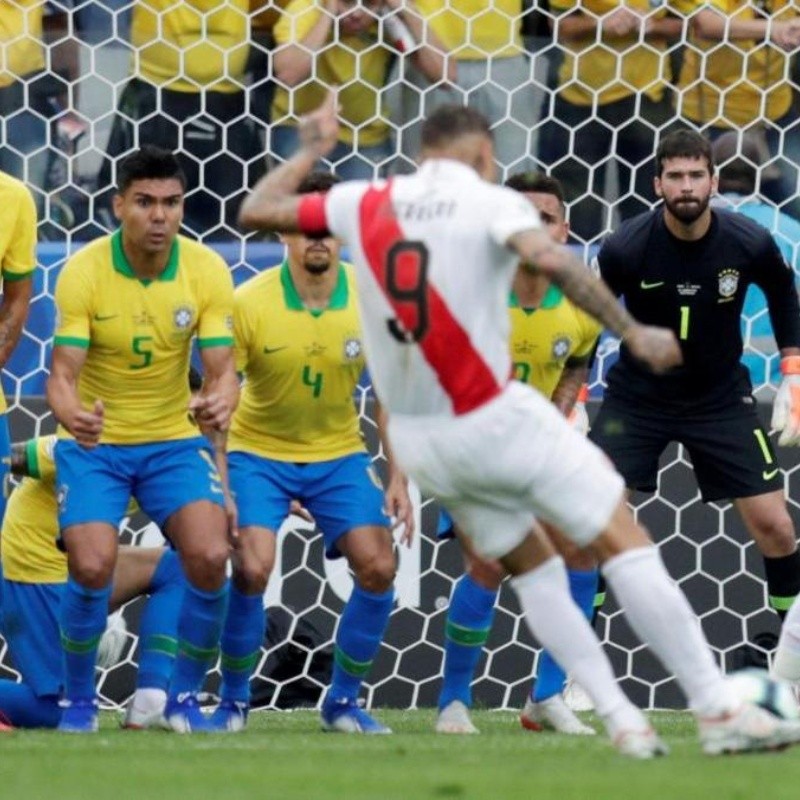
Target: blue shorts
{"points": [[96, 485], [444, 527], [341, 494], [29, 623]]}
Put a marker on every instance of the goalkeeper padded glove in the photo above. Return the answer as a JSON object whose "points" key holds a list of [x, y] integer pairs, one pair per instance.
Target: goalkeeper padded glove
{"points": [[579, 417], [786, 408]]}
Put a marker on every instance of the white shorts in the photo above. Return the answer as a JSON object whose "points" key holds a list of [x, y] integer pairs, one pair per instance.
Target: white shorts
{"points": [[513, 459]]}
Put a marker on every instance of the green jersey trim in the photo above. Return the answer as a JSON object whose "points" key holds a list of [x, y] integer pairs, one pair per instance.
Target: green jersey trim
{"points": [[123, 266], [71, 341], [219, 341], [18, 276], [552, 297], [338, 300], [32, 457]]}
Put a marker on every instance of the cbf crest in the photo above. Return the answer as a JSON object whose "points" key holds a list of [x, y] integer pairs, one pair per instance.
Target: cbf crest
{"points": [[183, 317], [728, 283], [560, 348], [352, 348]]}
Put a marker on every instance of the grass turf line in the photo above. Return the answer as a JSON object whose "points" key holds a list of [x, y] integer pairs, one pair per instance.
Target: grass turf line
{"points": [[285, 756]]}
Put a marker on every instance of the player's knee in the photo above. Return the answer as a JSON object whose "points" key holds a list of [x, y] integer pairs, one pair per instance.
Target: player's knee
{"points": [[251, 574], [776, 534], [205, 567], [488, 574], [92, 569], [376, 574]]}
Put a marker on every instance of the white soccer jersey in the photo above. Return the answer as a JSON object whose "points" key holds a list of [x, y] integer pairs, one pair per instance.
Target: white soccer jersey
{"points": [[434, 274]]}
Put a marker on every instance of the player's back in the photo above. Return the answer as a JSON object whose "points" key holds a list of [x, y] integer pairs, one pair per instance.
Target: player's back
{"points": [[434, 275]]}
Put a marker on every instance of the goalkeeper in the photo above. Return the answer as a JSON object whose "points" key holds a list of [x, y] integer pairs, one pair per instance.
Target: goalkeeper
{"points": [[687, 266], [34, 573], [552, 343]]}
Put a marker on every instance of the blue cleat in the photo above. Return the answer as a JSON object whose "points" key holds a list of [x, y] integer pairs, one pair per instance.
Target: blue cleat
{"points": [[182, 714], [79, 716], [346, 716], [230, 716]]}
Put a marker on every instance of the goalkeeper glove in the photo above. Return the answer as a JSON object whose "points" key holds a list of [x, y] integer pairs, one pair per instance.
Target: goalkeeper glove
{"points": [[786, 409], [578, 418]]}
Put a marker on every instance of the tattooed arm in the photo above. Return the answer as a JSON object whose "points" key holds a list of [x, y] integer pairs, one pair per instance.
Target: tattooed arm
{"points": [[13, 313], [657, 347], [273, 203]]}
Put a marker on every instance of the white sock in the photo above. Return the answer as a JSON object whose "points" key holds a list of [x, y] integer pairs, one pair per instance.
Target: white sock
{"points": [[557, 622], [661, 617], [786, 664], [149, 700]]}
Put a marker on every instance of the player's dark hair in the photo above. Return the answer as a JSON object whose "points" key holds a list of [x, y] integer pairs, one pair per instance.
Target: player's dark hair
{"points": [[537, 182], [317, 181], [149, 163], [449, 122], [683, 143]]}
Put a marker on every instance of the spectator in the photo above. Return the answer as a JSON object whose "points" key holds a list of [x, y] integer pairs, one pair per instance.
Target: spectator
{"points": [[188, 95], [741, 84], [612, 99], [739, 161], [350, 45], [492, 71]]}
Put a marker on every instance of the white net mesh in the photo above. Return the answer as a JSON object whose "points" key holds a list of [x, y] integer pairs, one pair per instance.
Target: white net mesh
{"points": [[73, 90]]}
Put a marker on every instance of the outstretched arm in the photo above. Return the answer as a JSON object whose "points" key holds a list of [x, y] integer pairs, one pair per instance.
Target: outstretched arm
{"points": [[657, 347], [273, 203]]}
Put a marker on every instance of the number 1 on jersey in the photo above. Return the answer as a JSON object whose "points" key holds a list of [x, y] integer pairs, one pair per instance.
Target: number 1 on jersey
{"points": [[684, 330]]}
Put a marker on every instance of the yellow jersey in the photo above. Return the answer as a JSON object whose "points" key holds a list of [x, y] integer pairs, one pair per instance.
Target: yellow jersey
{"points": [[138, 333], [734, 85], [17, 235], [475, 30], [544, 340], [618, 68], [30, 527], [300, 368], [356, 64], [192, 45], [21, 51]]}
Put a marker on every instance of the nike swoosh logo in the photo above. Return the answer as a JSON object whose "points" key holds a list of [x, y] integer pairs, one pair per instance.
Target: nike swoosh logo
{"points": [[104, 317], [268, 350], [646, 285], [769, 475]]}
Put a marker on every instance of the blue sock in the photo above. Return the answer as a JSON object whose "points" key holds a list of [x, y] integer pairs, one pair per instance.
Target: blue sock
{"points": [[199, 629], [242, 637], [469, 620], [158, 627], [359, 636], [83, 619], [24, 709], [550, 678]]}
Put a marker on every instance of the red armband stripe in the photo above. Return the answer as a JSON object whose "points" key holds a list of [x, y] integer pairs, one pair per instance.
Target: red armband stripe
{"points": [[311, 217]]}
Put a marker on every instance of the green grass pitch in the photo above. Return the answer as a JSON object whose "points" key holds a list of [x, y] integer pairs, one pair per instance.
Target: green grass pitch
{"points": [[283, 756]]}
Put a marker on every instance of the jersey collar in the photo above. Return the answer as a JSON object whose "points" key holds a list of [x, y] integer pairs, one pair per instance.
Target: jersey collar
{"points": [[552, 297], [122, 265], [294, 302]]}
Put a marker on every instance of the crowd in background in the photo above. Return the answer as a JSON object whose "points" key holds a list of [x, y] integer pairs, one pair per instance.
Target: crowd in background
{"points": [[580, 90]]}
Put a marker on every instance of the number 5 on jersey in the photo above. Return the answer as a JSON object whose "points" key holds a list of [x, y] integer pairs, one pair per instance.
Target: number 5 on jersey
{"points": [[142, 349]]}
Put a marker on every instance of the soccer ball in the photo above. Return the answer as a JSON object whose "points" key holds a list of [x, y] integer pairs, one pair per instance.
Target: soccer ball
{"points": [[757, 687]]}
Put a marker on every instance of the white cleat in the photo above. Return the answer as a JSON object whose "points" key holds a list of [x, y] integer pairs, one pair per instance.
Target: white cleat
{"points": [[640, 744], [576, 698], [454, 718], [553, 714], [747, 729], [145, 710]]}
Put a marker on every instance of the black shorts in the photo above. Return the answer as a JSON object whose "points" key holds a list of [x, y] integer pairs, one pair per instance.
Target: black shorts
{"points": [[730, 450]]}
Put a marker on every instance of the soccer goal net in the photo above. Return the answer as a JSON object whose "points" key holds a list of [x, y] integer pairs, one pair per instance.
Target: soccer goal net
{"points": [[83, 83]]}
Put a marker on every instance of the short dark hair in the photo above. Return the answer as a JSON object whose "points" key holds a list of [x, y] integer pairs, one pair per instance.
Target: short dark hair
{"points": [[683, 143], [317, 181], [149, 163], [537, 182], [449, 122]]}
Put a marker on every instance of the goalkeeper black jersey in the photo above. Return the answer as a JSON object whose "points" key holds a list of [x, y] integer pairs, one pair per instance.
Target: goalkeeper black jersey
{"points": [[697, 289]]}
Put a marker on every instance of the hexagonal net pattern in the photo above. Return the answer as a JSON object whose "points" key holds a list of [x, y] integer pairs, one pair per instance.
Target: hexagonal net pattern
{"points": [[223, 84]]}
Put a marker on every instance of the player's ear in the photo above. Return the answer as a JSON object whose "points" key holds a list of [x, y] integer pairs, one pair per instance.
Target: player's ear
{"points": [[657, 187], [118, 201]]}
